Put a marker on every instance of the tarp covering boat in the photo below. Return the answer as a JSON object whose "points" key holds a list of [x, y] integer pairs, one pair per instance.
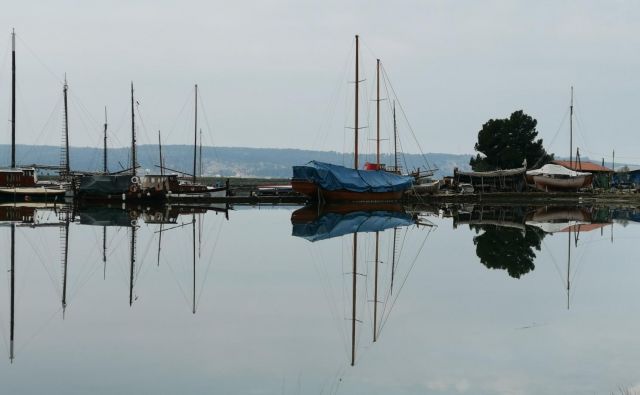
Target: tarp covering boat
{"points": [[332, 225], [334, 177], [104, 216], [555, 170], [104, 184]]}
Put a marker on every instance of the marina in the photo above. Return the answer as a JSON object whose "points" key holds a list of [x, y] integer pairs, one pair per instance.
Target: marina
{"points": [[292, 198]]}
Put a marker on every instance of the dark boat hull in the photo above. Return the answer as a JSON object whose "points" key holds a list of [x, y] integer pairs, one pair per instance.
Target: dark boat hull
{"points": [[312, 191]]}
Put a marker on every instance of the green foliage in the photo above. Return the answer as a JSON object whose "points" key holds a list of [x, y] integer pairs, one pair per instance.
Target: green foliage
{"points": [[506, 143], [508, 249]]}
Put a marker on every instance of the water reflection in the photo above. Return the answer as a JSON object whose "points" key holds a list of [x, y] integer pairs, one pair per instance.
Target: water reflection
{"points": [[357, 288], [316, 224]]}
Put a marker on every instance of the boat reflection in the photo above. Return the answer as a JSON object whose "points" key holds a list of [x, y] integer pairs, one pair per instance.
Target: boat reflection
{"points": [[33, 216], [316, 224]]}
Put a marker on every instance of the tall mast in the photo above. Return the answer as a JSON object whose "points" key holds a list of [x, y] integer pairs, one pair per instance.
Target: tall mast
{"points": [[571, 131], [65, 243], [13, 283], [194, 264], [66, 166], [568, 268], [355, 129], [377, 116], [13, 99], [353, 306], [395, 138], [375, 293], [104, 252], [133, 135], [160, 149], [104, 152], [195, 135], [132, 262]]}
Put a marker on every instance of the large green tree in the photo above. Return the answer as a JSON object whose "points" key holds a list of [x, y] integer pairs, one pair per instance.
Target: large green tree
{"points": [[506, 143]]}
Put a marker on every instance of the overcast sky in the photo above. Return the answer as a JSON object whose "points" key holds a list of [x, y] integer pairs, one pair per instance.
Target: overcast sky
{"points": [[272, 73]]}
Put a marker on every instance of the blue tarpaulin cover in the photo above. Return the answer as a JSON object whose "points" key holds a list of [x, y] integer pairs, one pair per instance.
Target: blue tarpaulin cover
{"points": [[335, 225], [334, 177]]}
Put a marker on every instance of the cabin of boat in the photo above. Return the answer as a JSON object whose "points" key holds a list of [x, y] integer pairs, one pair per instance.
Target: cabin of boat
{"points": [[18, 177]]}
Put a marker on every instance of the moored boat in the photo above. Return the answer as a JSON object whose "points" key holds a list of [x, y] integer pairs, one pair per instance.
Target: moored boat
{"points": [[327, 182]]}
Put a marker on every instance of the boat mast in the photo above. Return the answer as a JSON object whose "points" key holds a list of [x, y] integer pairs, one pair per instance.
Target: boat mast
{"points": [[65, 244], [132, 262], [193, 222], [195, 135], [133, 135], [104, 252], [160, 149], [353, 296], [104, 152], [395, 138], [568, 268], [571, 131], [377, 114], [13, 99], [375, 293], [65, 165], [13, 283], [355, 129]]}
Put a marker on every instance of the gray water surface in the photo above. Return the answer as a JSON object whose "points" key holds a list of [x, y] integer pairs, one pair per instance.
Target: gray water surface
{"points": [[474, 309]]}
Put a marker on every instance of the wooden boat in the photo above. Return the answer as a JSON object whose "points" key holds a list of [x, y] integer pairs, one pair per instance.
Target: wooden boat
{"points": [[552, 177], [334, 183]]}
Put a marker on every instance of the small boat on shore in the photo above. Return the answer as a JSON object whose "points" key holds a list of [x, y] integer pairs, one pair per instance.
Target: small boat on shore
{"points": [[552, 177]]}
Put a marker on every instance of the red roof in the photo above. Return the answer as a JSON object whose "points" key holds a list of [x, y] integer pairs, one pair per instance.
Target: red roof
{"points": [[584, 227], [583, 166]]}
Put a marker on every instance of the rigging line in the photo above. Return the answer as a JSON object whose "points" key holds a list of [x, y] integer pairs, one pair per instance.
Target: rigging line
{"points": [[175, 278], [555, 136], [395, 95], [46, 125], [548, 251], [329, 293], [330, 111], [54, 75], [184, 105], [206, 272], [39, 330], [146, 134], [393, 303], [142, 260], [209, 128], [40, 259]]}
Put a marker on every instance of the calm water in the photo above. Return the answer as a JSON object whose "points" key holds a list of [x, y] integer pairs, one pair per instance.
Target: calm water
{"points": [[474, 300]]}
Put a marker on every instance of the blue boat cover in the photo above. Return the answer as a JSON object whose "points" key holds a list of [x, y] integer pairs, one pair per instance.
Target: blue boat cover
{"points": [[332, 225], [334, 177]]}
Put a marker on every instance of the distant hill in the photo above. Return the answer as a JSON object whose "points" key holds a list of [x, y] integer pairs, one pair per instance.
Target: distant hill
{"points": [[223, 161]]}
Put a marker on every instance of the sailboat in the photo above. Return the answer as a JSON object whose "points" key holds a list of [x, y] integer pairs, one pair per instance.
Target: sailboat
{"points": [[185, 189], [20, 183], [334, 183], [551, 177]]}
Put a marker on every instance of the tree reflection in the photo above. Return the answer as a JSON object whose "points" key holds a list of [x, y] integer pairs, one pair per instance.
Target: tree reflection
{"points": [[508, 249]]}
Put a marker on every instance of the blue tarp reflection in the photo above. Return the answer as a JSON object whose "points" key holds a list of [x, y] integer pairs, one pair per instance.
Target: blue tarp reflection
{"points": [[332, 225]]}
